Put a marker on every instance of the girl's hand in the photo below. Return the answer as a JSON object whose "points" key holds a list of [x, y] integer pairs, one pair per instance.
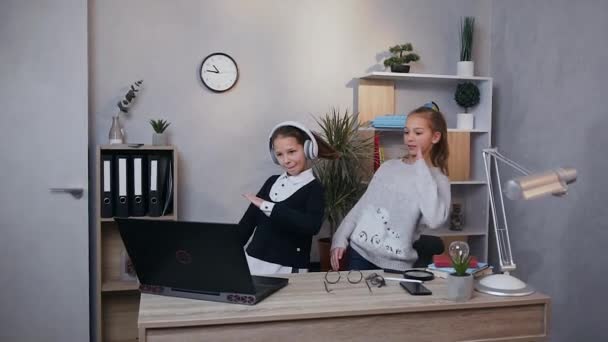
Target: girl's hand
{"points": [[336, 255], [255, 200]]}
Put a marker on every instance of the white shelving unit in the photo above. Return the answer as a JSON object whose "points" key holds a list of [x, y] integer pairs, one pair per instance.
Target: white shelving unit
{"points": [[382, 93]]}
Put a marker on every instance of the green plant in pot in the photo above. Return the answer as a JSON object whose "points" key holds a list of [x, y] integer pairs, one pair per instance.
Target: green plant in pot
{"points": [[460, 282], [467, 96], [341, 178], [159, 138], [466, 66], [401, 56]]}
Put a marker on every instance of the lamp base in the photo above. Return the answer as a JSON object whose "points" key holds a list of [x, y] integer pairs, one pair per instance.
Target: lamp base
{"points": [[503, 285]]}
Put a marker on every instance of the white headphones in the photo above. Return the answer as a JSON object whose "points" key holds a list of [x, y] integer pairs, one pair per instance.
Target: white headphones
{"points": [[311, 149]]}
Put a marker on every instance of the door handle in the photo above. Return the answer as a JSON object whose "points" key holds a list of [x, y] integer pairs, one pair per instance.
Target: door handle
{"points": [[75, 192]]}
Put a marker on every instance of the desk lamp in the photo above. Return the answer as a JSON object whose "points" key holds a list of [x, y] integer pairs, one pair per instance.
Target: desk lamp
{"points": [[530, 186]]}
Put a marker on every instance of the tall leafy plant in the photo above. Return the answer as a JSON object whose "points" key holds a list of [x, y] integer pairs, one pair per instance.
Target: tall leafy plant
{"points": [[466, 38], [342, 178]]}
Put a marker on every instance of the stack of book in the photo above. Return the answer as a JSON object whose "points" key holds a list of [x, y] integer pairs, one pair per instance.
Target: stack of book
{"points": [[389, 121], [442, 266]]}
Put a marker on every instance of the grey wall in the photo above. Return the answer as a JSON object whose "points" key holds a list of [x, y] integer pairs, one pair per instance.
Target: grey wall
{"points": [[549, 68], [296, 58]]}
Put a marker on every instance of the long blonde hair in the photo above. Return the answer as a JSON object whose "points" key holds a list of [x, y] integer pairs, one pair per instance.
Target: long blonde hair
{"points": [[440, 150]]}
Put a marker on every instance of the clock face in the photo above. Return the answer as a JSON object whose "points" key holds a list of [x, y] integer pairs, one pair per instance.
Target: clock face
{"points": [[219, 72]]}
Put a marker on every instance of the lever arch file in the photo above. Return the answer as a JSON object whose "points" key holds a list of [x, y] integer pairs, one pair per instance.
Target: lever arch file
{"points": [[137, 186], [122, 197], [107, 200], [154, 194]]}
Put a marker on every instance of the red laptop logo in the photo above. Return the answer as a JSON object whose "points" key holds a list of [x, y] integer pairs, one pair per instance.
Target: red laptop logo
{"points": [[183, 257]]}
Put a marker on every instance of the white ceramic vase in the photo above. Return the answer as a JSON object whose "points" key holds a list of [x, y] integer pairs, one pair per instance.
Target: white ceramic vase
{"points": [[465, 121], [460, 288], [465, 68], [160, 139]]}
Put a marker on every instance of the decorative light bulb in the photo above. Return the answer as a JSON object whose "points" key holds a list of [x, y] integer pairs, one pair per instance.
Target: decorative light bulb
{"points": [[459, 250]]}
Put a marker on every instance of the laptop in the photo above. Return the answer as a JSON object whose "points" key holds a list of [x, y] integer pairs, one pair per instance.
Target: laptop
{"points": [[193, 260]]}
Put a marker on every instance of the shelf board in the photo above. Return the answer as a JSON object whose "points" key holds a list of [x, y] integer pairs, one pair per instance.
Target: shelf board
{"points": [[119, 286], [448, 232], [411, 76], [451, 182], [400, 130], [166, 217], [126, 147], [471, 182]]}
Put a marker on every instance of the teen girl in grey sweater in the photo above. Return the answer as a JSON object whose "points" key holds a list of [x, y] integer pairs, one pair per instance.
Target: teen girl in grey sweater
{"points": [[380, 229]]}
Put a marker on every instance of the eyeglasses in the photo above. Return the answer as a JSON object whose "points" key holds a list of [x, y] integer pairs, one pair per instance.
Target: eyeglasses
{"points": [[353, 277]]}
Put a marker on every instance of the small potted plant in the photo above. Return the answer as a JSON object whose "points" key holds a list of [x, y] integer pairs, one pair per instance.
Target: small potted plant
{"points": [[159, 138], [466, 96], [466, 66], [401, 56], [460, 282]]}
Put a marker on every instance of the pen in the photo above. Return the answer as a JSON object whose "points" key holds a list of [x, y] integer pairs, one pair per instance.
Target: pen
{"points": [[405, 280]]}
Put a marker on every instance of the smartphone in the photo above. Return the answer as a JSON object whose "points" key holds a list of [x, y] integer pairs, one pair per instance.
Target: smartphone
{"points": [[416, 289]]}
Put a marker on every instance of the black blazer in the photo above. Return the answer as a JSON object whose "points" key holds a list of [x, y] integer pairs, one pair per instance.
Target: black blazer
{"points": [[285, 237]]}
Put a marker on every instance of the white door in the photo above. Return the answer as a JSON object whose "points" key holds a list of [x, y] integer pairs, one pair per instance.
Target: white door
{"points": [[44, 245]]}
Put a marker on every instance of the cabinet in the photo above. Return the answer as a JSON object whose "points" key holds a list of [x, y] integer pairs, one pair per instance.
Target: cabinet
{"points": [[381, 93], [116, 294]]}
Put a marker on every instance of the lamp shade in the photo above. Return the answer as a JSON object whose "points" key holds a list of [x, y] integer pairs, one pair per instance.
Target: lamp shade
{"points": [[540, 184]]}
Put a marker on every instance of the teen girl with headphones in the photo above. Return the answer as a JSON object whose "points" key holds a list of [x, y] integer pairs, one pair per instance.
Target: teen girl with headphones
{"points": [[288, 210]]}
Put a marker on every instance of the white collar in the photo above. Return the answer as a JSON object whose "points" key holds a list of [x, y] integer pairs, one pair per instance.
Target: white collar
{"points": [[303, 177]]}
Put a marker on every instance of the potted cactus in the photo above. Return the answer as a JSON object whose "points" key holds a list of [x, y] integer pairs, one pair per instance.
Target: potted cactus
{"points": [[401, 56], [159, 137], [460, 282]]}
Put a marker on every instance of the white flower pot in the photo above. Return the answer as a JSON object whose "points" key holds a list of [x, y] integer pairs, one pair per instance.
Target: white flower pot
{"points": [[460, 288], [160, 139], [465, 68], [465, 121]]}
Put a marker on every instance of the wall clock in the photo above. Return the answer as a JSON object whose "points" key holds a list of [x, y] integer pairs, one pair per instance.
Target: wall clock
{"points": [[219, 72]]}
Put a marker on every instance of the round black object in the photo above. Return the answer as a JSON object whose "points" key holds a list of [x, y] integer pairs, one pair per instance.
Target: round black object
{"points": [[418, 275]]}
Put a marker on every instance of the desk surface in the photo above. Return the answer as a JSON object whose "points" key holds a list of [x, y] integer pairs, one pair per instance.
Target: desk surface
{"points": [[305, 297]]}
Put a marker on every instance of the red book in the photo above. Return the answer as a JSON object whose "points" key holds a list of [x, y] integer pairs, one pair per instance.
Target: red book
{"points": [[443, 260]]}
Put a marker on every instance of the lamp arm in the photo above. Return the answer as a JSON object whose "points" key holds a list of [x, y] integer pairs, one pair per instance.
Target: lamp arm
{"points": [[491, 157], [494, 153]]}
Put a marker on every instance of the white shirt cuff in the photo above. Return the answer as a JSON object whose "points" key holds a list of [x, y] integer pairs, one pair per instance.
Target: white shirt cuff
{"points": [[267, 207]]}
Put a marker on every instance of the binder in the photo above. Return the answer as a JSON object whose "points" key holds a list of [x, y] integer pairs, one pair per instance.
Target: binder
{"points": [[154, 193], [121, 187], [106, 194], [137, 185], [168, 189]]}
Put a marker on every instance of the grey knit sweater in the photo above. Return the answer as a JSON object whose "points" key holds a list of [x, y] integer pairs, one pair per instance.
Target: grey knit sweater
{"points": [[386, 221]]}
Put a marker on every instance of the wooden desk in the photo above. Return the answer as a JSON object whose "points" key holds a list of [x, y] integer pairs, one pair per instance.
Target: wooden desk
{"points": [[303, 311]]}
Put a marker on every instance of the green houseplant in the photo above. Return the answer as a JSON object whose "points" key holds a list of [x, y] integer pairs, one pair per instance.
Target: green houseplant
{"points": [[466, 66], [401, 56], [159, 138], [341, 178], [467, 96], [460, 282]]}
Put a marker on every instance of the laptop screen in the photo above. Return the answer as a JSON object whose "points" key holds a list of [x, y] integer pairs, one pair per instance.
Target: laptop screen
{"points": [[192, 256]]}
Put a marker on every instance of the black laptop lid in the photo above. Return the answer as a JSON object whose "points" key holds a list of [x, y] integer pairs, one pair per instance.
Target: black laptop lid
{"points": [[205, 257]]}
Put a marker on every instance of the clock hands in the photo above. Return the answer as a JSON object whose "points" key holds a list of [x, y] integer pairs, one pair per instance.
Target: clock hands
{"points": [[216, 71]]}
